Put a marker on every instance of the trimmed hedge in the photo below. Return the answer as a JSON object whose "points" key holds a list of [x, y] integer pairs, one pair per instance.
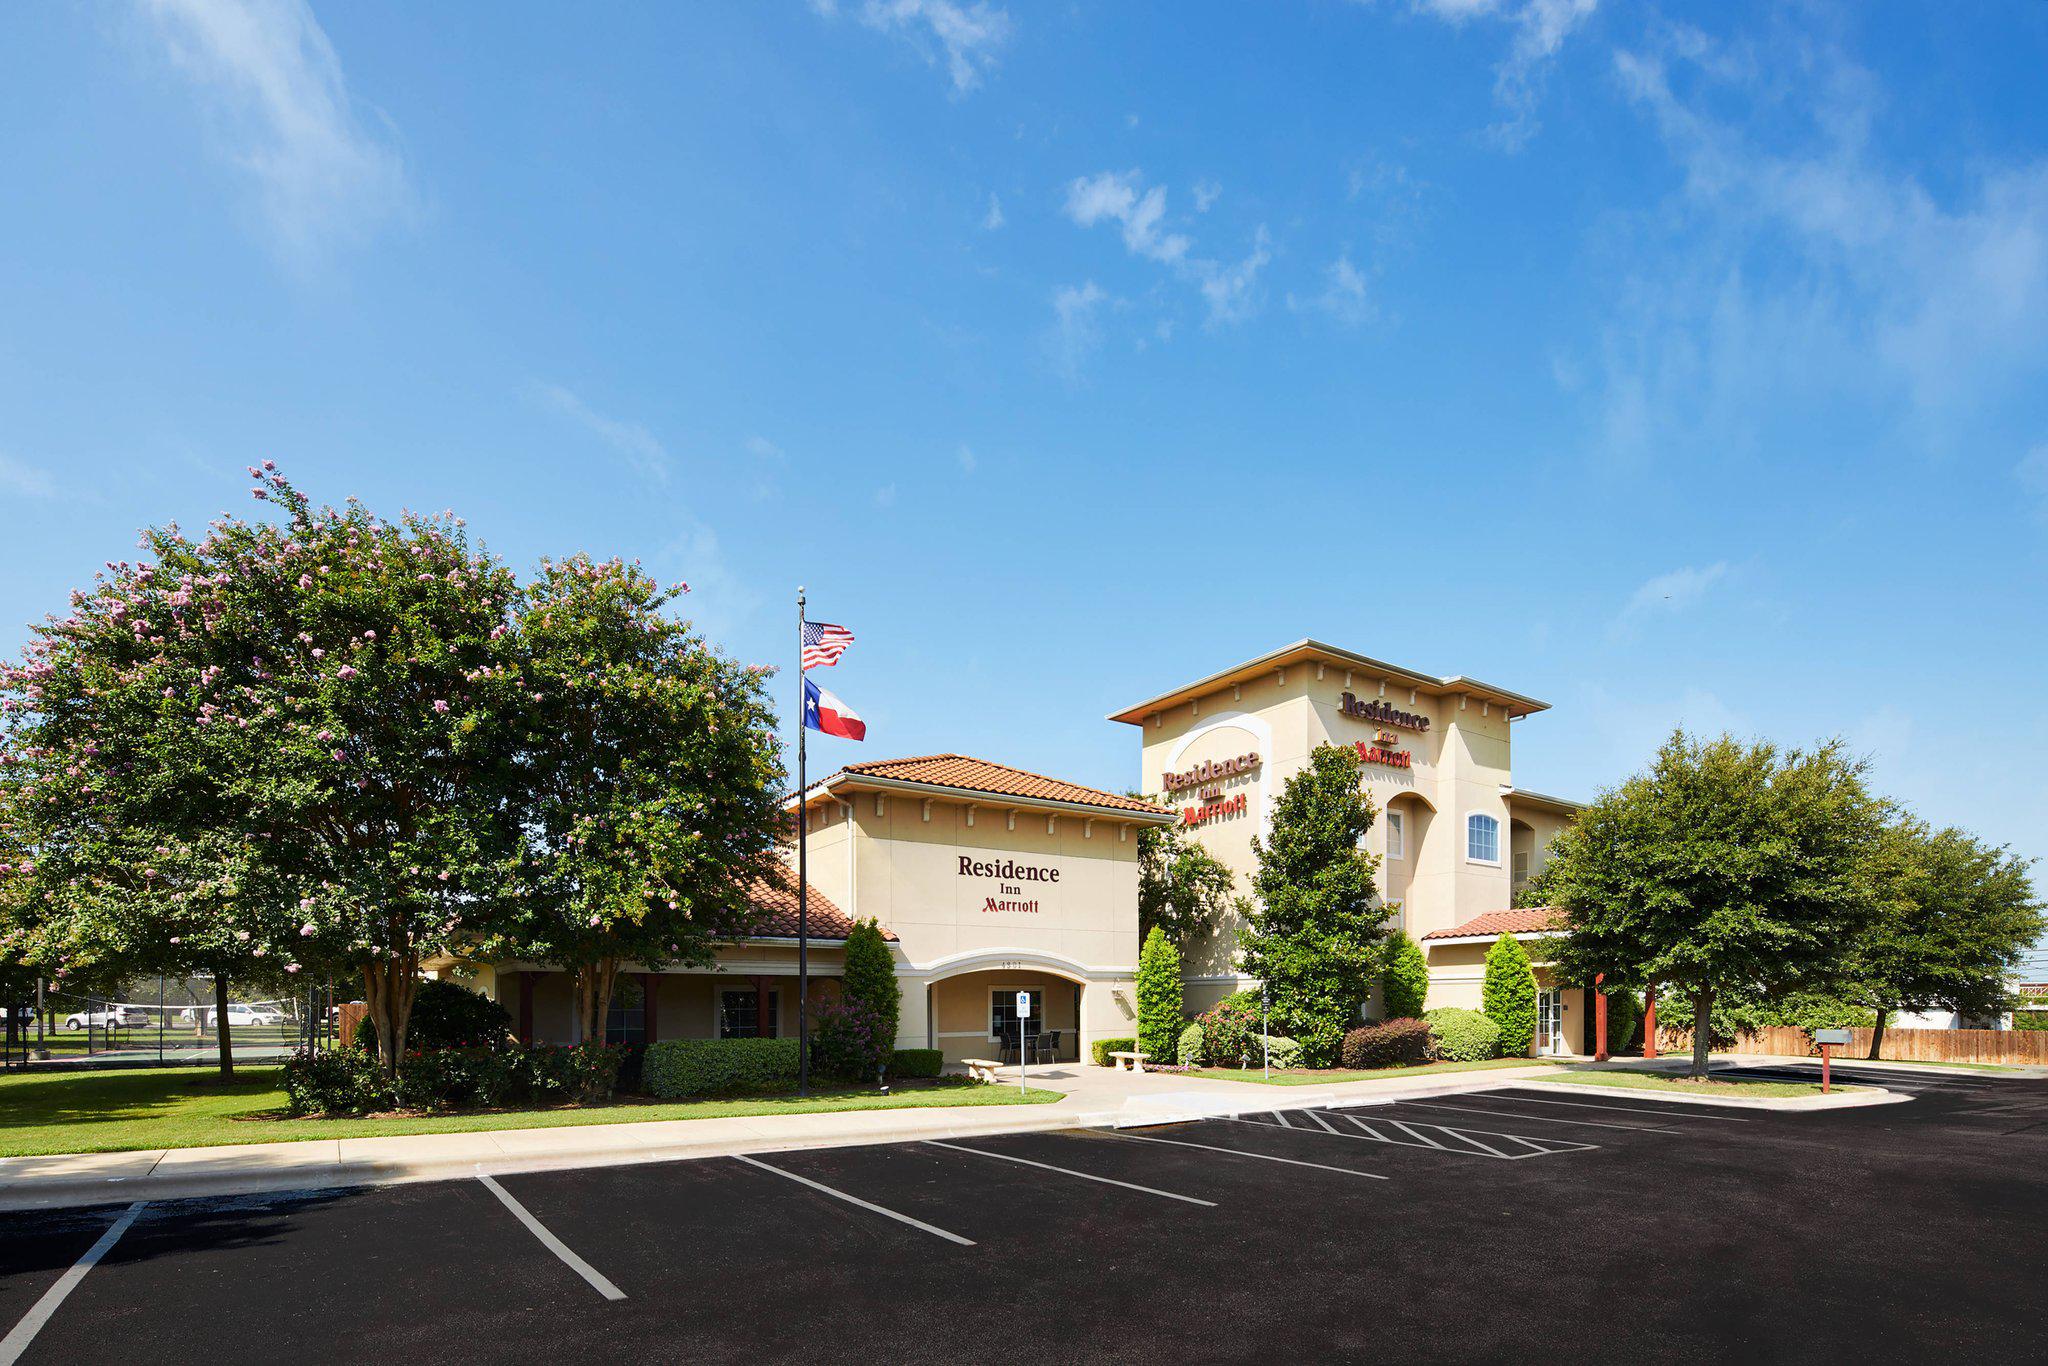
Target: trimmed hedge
{"points": [[701, 1067], [916, 1062], [1509, 995], [1159, 995], [1396, 1043], [1282, 1052], [1102, 1048], [1190, 1052], [1463, 1035], [446, 1015], [345, 1081], [1406, 983]]}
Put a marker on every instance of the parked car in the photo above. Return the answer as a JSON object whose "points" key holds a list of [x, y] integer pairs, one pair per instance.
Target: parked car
{"points": [[111, 1017], [238, 1015]]}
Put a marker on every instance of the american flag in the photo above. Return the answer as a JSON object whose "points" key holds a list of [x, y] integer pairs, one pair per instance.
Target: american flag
{"points": [[824, 643]]}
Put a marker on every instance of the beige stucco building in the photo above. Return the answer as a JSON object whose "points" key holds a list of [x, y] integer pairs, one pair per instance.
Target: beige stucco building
{"points": [[1456, 837], [987, 880]]}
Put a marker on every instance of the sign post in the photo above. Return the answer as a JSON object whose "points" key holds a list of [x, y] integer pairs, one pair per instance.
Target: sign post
{"points": [[1023, 1052], [1828, 1039]]}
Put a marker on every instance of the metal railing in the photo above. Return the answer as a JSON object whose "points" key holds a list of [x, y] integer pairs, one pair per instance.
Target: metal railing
{"points": [[162, 1022]]}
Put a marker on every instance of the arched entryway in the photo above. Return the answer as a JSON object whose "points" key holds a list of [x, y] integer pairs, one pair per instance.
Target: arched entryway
{"points": [[970, 1006]]}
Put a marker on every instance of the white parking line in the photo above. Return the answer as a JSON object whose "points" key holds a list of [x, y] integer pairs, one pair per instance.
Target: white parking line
{"points": [[1420, 1138], [1678, 1112], [1539, 1119], [552, 1243], [821, 1187], [1069, 1171], [1239, 1152], [18, 1338]]}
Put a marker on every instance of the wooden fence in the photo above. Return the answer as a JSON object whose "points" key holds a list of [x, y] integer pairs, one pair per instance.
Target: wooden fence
{"points": [[1903, 1045], [348, 1017]]}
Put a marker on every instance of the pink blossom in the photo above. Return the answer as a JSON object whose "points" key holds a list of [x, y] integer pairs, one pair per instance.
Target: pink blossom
{"points": [[241, 936], [440, 704], [338, 755], [593, 922], [291, 967], [305, 931], [325, 736], [319, 654], [345, 672]]}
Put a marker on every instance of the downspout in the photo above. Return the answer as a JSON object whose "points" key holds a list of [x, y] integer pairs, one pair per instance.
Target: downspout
{"points": [[852, 885]]}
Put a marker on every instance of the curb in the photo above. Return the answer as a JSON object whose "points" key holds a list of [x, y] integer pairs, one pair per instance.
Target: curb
{"points": [[1848, 1100]]}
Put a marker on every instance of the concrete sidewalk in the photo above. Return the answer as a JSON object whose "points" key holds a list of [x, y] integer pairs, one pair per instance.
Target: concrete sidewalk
{"points": [[1096, 1097]]}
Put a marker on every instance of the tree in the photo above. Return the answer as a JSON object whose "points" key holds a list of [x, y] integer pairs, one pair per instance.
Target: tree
{"points": [[1182, 887], [870, 975], [1405, 987], [1159, 998], [648, 783], [1314, 935], [1508, 995], [1954, 917], [1724, 868]]}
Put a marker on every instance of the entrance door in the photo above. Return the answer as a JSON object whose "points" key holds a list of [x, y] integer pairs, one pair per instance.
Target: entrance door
{"points": [[1549, 1021]]}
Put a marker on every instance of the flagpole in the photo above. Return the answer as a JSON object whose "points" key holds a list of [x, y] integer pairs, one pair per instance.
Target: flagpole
{"points": [[803, 871]]}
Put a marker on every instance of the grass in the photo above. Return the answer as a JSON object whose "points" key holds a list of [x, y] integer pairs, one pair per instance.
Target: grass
{"points": [[1721, 1085], [1841, 1061], [183, 1107], [1309, 1076]]}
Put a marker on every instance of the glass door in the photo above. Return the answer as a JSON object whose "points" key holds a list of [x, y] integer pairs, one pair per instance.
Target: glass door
{"points": [[1549, 1021]]}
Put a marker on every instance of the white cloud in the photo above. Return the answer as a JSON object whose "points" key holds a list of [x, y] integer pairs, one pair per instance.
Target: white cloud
{"points": [[966, 458], [1207, 192], [969, 36], [1796, 265], [1540, 28], [630, 441], [24, 480], [1121, 197], [1344, 295], [1673, 592], [1077, 331], [275, 85], [993, 219], [885, 496], [762, 448]]}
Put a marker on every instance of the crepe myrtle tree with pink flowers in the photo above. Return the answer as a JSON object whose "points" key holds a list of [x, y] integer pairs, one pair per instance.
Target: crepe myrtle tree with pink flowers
{"points": [[330, 692], [649, 780]]}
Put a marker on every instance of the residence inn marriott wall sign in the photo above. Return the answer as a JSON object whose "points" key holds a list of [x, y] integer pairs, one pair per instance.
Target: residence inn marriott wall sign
{"points": [[1207, 779], [1011, 876]]}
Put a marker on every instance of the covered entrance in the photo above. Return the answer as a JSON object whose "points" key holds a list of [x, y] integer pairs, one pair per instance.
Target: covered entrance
{"points": [[973, 1015]]}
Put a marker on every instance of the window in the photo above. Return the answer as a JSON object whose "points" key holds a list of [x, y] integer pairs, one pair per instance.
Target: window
{"points": [[626, 1021], [1482, 839], [1002, 1012], [739, 1015], [1522, 866], [1397, 836]]}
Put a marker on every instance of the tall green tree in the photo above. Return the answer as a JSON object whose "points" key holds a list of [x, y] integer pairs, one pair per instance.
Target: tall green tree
{"points": [[1405, 986], [1954, 918], [1315, 933], [870, 975], [647, 783], [1724, 868], [1159, 996], [1182, 887], [1508, 995]]}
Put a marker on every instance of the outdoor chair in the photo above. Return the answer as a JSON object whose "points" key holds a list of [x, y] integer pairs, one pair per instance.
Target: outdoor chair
{"points": [[1046, 1047]]}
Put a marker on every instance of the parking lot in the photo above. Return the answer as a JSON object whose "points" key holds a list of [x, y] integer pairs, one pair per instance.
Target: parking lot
{"points": [[1511, 1224]]}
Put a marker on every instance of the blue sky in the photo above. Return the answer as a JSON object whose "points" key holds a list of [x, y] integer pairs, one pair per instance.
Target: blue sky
{"points": [[1677, 364]]}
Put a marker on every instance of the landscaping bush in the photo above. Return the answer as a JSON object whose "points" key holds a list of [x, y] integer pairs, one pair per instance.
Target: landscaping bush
{"points": [[1102, 1048], [1396, 1043], [1281, 1052], [461, 1079], [344, 1081], [848, 1041], [445, 1015], [916, 1062], [1227, 1030], [583, 1073], [1158, 989], [335, 1081], [1190, 1052], [1406, 983], [869, 976], [1463, 1035], [1509, 994], [1624, 1012], [698, 1067]]}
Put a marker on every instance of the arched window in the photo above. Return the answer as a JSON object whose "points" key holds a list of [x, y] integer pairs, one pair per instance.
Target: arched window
{"points": [[1482, 839]]}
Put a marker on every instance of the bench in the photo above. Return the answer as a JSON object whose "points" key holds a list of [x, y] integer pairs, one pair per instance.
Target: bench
{"points": [[980, 1069], [1129, 1062]]}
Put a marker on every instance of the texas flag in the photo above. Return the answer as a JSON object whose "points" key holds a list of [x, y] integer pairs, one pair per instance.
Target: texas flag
{"points": [[823, 711]]}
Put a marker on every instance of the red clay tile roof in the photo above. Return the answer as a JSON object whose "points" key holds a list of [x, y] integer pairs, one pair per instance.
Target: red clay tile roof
{"points": [[777, 905], [1534, 920], [979, 775]]}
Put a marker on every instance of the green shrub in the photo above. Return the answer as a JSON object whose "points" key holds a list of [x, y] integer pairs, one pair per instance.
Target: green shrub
{"points": [[1189, 1052], [1395, 1043], [1158, 995], [916, 1062], [445, 1015], [344, 1081], [1279, 1051], [1509, 995], [870, 976], [2030, 1019], [335, 1081], [1463, 1035], [700, 1067], [848, 1041], [1624, 1012], [1102, 1048], [1405, 986], [1228, 1028]]}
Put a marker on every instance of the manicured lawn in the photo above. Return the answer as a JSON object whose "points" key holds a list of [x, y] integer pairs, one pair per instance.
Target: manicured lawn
{"points": [[1308, 1076], [184, 1107], [1714, 1086]]}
